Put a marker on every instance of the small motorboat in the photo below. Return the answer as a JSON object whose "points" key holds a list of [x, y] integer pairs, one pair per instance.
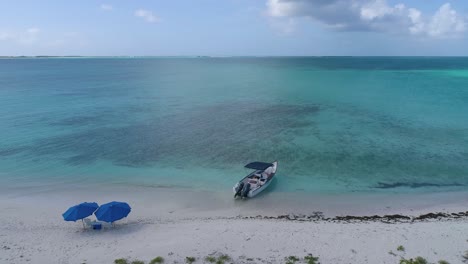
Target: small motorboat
{"points": [[257, 181]]}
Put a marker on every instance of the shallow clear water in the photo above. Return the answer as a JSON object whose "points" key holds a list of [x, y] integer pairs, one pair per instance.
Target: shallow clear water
{"points": [[336, 124]]}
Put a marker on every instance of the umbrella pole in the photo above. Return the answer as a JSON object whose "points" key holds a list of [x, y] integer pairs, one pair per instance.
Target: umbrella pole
{"points": [[82, 223]]}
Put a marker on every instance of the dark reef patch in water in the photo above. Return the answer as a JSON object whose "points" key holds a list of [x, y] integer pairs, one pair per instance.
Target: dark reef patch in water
{"points": [[80, 160], [9, 151], [354, 143], [216, 135], [77, 121], [71, 94], [382, 185]]}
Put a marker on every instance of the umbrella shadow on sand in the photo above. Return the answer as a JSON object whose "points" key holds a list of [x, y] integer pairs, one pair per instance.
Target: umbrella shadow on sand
{"points": [[118, 229]]}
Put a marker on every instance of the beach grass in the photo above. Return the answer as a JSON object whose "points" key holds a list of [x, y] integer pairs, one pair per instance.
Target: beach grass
{"points": [[190, 260], [291, 259], [156, 260], [310, 259], [417, 260], [219, 260], [223, 258], [210, 259]]}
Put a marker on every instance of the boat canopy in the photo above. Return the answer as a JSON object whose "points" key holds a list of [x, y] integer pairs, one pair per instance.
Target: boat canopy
{"points": [[257, 165]]}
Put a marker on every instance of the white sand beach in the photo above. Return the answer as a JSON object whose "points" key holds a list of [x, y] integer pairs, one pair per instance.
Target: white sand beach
{"points": [[32, 230]]}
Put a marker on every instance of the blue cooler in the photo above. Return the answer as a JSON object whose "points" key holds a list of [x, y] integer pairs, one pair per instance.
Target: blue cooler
{"points": [[97, 226]]}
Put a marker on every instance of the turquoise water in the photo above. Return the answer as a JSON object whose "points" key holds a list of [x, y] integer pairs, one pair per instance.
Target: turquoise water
{"points": [[339, 124]]}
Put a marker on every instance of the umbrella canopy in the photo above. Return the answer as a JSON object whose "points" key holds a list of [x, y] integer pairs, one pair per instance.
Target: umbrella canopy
{"points": [[79, 211], [113, 211]]}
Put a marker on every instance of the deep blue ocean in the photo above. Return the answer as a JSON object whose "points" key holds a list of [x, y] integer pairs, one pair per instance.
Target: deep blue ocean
{"points": [[335, 124]]}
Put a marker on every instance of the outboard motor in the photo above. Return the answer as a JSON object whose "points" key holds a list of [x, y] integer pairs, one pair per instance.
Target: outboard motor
{"points": [[239, 187], [245, 190]]}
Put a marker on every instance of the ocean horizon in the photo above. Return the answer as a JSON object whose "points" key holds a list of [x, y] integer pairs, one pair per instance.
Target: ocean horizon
{"points": [[335, 124]]}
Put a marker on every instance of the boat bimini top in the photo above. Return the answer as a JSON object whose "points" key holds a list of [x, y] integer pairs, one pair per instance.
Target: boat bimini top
{"points": [[257, 165]]}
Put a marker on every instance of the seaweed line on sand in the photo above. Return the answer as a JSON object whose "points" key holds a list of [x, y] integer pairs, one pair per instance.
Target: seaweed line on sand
{"points": [[389, 219]]}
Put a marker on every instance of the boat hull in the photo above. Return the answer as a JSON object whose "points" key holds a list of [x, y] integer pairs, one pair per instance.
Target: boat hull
{"points": [[258, 189]]}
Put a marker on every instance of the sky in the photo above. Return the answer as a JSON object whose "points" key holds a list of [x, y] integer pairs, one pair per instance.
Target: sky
{"points": [[234, 28]]}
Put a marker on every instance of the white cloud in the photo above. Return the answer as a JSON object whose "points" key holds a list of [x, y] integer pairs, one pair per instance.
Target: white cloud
{"points": [[67, 38], [319, 9], [4, 36], [277, 8], [372, 15], [417, 21], [28, 36], [33, 31], [147, 15], [446, 23], [379, 9], [106, 7], [284, 26]]}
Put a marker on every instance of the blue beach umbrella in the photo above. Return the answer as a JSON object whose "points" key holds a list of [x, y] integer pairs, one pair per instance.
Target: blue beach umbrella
{"points": [[79, 211], [113, 211]]}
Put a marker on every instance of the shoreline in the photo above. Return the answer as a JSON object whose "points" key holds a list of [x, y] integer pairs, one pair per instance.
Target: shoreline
{"points": [[183, 202], [175, 224]]}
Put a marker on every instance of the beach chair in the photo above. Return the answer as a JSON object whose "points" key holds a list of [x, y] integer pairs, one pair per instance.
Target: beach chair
{"points": [[87, 223]]}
